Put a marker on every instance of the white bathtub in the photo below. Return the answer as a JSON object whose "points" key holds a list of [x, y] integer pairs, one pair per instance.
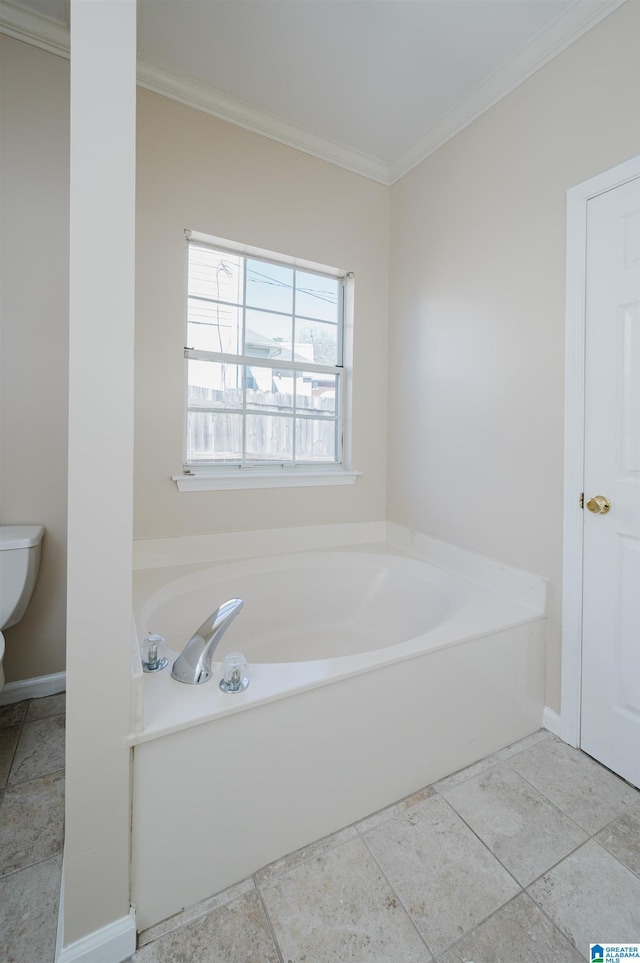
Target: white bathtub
{"points": [[372, 674]]}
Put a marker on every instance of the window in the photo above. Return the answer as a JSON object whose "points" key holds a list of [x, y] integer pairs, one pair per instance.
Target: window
{"points": [[264, 357]]}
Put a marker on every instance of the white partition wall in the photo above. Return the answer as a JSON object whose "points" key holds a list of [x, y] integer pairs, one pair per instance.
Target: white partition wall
{"points": [[96, 919]]}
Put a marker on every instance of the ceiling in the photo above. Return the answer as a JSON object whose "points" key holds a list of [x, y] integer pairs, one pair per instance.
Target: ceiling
{"points": [[373, 85]]}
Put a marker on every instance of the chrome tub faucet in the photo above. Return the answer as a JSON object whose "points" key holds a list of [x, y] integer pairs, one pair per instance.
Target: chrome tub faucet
{"points": [[193, 666]]}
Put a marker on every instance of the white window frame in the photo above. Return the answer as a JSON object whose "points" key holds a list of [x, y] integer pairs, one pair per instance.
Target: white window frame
{"points": [[213, 477]]}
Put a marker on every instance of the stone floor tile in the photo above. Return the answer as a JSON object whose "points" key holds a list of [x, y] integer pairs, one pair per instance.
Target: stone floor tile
{"points": [[515, 747], [52, 705], [40, 749], [583, 789], [591, 897], [29, 912], [31, 822], [518, 824], [196, 911], [377, 819], [622, 839], [338, 907], [463, 774], [447, 879], [236, 932], [500, 756], [517, 933], [13, 715], [9, 736], [307, 852]]}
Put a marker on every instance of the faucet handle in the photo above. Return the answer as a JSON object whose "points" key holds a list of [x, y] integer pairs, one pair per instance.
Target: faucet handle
{"points": [[234, 673]]}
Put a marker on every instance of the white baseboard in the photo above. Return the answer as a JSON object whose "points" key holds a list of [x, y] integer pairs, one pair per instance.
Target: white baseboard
{"points": [[114, 943], [43, 685], [552, 721]]}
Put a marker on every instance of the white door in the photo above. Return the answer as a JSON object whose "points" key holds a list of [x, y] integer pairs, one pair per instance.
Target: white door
{"points": [[610, 721]]}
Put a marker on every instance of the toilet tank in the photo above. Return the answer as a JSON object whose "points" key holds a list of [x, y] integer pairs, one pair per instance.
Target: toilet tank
{"points": [[19, 563]]}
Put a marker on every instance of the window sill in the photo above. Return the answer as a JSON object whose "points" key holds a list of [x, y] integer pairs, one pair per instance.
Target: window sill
{"points": [[255, 478]]}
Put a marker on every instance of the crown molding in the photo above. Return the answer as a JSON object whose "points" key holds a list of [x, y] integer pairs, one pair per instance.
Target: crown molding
{"points": [[34, 28], [577, 20], [225, 106]]}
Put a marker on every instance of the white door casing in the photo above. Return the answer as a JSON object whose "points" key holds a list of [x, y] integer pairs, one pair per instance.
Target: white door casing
{"points": [[601, 645], [610, 715]]}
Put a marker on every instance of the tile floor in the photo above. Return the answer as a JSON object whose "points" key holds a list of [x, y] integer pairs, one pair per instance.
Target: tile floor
{"points": [[31, 827], [529, 855]]}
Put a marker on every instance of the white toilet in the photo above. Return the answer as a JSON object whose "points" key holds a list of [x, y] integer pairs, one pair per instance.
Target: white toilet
{"points": [[19, 563]]}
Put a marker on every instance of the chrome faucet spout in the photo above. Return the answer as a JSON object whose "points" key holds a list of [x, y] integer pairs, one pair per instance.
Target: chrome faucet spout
{"points": [[193, 666]]}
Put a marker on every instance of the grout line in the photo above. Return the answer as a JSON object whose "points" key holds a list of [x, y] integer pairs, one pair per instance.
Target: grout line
{"points": [[555, 865], [560, 812], [547, 917], [38, 862], [495, 912], [268, 919], [466, 779], [591, 759], [496, 761], [558, 861], [397, 895], [23, 782], [565, 813], [15, 751], [307, 859], [486, 846], [181, 924]]}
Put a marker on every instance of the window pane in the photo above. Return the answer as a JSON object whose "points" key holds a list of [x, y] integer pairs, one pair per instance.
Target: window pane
{"points": [[215, 275], [269, 388], [269, 439], [214, 436], [267, 315], [316, 392], [268, 335], [315, 440], [214, 327], [269, 286], [316, 341], [213, 384], [317, 296]]}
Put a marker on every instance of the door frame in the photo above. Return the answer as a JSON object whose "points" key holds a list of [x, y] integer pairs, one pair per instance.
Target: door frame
{"points": [[574, 426]]}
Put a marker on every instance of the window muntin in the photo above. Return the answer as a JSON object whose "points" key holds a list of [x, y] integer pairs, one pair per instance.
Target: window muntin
{"points": [[264, 362]]}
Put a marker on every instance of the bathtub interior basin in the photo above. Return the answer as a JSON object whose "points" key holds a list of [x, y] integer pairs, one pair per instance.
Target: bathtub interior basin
{"points": [[306, 607]]}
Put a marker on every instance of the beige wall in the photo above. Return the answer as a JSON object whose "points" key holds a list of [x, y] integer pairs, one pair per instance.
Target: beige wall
{"points": [[193, 171], [476, 328], [476, 346], [197, 172], [34, 310]]}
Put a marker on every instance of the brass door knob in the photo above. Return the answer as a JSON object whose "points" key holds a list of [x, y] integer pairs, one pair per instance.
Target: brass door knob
{"points": [[599, 505]]}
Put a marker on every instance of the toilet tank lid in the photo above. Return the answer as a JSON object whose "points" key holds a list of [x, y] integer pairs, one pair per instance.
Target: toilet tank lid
{"points": [[20, 536]]}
